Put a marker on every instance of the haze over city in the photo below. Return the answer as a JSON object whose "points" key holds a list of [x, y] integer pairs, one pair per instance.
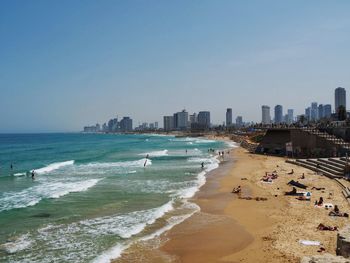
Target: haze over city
{"points": [[67, 64]]}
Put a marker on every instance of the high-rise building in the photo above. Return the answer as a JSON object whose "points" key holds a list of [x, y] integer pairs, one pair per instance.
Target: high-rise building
{"points": [[308, 113], [327, 111], [182, 120], [228, 117], [193, 118], [320, 111], [204, 118], [126, 124], [156, 125], [339, 98], [239, 121], [266, 117], [113, 125], [290, 117], [168, 123], [314, 112], [278, 114]]}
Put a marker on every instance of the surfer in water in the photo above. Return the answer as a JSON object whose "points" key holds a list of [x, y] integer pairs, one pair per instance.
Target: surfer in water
{"points": [[144, 165], [33, 174]]}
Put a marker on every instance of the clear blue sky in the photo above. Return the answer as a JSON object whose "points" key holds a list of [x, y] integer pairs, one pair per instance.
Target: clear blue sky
{"points": [[65, 64]]}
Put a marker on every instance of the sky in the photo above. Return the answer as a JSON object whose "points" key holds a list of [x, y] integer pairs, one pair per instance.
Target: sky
{"points": [[65, 64]]}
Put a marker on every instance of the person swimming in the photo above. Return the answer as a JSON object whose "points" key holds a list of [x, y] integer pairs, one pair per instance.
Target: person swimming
{"points": [[202, 164], [33, 174]]}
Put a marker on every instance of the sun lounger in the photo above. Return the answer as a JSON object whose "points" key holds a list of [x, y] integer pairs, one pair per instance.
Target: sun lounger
{"points": [[297, 184]]}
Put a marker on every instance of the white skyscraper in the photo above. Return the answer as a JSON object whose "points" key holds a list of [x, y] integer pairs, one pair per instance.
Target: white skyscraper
{"points": [[266, 117], [290, 118]]}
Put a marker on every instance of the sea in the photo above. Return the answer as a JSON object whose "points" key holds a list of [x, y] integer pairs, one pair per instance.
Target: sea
{"points": [[94, 195]]}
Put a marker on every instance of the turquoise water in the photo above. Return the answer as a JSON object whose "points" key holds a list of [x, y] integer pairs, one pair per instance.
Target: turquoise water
{"points": [[92, 196]]}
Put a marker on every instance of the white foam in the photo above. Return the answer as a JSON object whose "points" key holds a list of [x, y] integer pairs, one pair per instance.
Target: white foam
{"points": [[112, 253], [127, 164], [52, 167], [232, 144], [155, 153], [33, 195], [19, 174], [22, 243]]}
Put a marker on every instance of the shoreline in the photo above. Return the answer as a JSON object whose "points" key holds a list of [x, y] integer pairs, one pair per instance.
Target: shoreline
{"points": [[262, 231]]}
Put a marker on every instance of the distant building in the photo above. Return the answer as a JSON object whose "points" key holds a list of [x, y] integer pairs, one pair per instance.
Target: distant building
{"points": [[308, 113], [290, 116], [204, 119], [151, 126], [193, 118], [104, 127], [278, 114], [320, 111], [266, 117], [181, 120], [327, 111], [168, 123], [314, 112], [126, 124], [239, 121], [228, 117], [113, 125], [93, 128], [339, 98], [156, 125]]}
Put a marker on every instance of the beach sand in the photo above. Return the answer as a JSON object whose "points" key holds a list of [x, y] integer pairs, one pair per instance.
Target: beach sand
{"points": [[256, 231], [229, 229]]}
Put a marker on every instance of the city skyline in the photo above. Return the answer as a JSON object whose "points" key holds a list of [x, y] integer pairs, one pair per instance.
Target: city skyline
{"points": [[68, 64]]}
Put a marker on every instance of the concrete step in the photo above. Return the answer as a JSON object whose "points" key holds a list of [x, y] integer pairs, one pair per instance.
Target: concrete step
{"points": [[335, 164], [337, 160], [308, 165], [330, 165], [319, 165]]}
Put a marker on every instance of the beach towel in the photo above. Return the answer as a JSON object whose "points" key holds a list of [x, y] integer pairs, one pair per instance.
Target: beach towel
{"points": [[297, 184], [309, 242]]}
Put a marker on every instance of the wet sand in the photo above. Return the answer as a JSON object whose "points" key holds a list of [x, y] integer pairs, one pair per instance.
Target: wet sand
{"points": [[229, 229]]}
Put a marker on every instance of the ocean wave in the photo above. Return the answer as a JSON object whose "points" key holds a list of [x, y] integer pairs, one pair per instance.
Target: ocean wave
{"points": [[33, 195], [52, 167], [65, 239], [127, 164], [191, 140], [23, 242], [232, 144], [155, 153], [19, 174]]}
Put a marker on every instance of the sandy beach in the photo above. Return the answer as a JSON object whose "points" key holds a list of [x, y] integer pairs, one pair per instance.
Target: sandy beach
{"points": [[229, 229]]}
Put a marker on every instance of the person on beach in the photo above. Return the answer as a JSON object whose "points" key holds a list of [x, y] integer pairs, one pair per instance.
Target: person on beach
{"points": [[236, 190], [319, 202], [186, 151], [33, 174], [292, 172], [202, 164], [302, 176]]}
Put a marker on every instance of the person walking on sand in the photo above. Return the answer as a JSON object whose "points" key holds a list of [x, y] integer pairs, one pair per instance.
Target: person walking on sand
{"points": [[202, 164]]}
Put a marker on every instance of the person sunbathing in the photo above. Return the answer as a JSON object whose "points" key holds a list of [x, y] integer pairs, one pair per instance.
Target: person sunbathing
{"points": [[293, 192], [302, 176], [327, 228], [291, 172], [236, 190], [336, 212]]}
